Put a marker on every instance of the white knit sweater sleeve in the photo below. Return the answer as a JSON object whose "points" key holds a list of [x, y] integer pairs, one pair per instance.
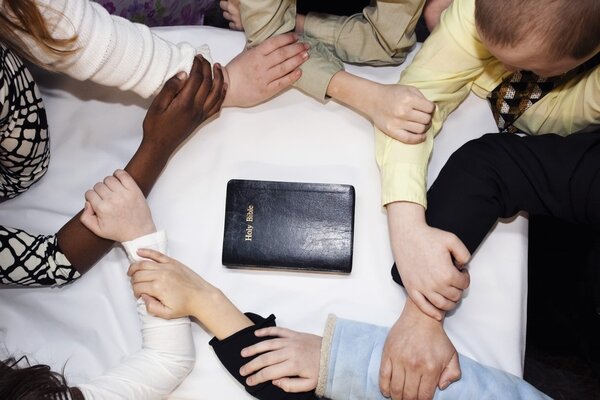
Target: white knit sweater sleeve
{"points": [[166, 358], [111, 50]]}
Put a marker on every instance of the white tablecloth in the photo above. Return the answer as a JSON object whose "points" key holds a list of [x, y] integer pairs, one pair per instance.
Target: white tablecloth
{"points": [[90, 325]]}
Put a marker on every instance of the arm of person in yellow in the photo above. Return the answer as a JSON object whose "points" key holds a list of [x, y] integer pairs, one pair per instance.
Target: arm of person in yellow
{"points": [[444, 70]]}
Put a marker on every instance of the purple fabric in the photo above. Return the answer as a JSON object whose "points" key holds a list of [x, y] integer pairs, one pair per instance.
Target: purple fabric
{"points": [[160, 12]]}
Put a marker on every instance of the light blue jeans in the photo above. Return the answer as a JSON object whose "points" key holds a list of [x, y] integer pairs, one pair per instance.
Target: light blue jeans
{"points": [[355, 357]]}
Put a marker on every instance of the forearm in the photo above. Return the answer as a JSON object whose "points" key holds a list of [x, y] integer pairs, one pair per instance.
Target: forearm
{"points": [[353, 91], [217, 313], [80, 245], [110, 50]]}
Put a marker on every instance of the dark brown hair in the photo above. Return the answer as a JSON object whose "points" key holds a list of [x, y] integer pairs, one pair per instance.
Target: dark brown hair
{"points": [[564, 28], [31, 382], [22, 17]]}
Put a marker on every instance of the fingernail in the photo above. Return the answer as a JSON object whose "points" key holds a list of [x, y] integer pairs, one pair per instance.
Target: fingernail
{"points": [[181, 75], [218, 65], [243, 353], [305, 55]]}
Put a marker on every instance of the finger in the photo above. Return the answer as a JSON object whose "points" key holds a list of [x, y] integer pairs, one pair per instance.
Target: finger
{"points": [[145, 276], [235, 26], [224, 5], [112, 183], [414, 127], [142, 266], [93, 198], [404, 136], [274, 331], [397, 384], [199, 74], [282, 83], [288, 52], [460, 253], [452, 293], [276, 42], [169, 91], [411, 386], [103, 191], [263, 361], [385, 376], [465, 279], [427, 386], [422, 104], [148, 288], [451, 373], [216, 95], [425, 306], [286, 67], [419, 116], [89, 219], [153, 255], [295, 385], [440, 302], [262, 347], [201, 96], [155, 307], [126, 180], [227, 15], [267, 374]]}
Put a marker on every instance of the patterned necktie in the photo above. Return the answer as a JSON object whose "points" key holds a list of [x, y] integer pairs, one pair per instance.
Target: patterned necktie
{"points": [[521, 90]]}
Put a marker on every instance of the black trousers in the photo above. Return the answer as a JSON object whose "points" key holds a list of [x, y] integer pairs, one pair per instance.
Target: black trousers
{"points": [[498, 175], [557, 181]]}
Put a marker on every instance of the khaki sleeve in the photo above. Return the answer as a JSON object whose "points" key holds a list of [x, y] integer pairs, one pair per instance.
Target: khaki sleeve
{"points": [[263, 19], [444, 71], [382, 35]]}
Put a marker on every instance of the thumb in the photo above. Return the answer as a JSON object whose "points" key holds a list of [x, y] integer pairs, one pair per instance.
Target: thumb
{"points": [[89, 219], [451, 373], [295, 385], [166, 95], [155, 307]]}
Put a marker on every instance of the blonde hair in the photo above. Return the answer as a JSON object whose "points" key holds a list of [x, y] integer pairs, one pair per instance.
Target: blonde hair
{"points": [[566, 28], [23, 17]]}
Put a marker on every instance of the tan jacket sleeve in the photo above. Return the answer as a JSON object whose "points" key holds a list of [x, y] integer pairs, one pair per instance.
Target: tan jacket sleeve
{"points": [[382, 35], [263, 19]]}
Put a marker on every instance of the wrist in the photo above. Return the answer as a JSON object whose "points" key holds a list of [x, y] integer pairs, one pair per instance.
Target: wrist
{"points": [[405, 216], [414, 315], [229, 100], [353, 91]]}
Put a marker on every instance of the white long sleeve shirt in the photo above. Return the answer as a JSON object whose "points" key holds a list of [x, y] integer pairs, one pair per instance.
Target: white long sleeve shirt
{"points": [[167, 355], [111, 50]]}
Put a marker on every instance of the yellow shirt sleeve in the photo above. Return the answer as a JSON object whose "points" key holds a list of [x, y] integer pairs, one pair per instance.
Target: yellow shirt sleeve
{"points": [[444, 70]]}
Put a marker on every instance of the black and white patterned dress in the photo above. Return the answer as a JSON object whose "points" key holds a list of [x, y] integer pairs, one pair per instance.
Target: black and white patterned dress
{"points": [[25, 259]]}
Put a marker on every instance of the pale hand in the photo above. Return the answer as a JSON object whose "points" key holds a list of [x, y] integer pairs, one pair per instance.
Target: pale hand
{"points": [[417, 357], [231, 12], [401, 112], [168, 287], [116, 209], [261, 72], [427, 259], [291, 361], [433, 11]]}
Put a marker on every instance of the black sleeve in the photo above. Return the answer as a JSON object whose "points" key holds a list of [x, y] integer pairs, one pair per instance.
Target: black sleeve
{"points": [[228, 350]]}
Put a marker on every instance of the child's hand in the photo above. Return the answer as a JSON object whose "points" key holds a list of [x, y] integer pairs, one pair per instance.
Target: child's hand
{"points": [[261, 72], [401, 112], [169, 288], [116, 209], [427, 259], [291, 360], [182, 105], [231, 12]]}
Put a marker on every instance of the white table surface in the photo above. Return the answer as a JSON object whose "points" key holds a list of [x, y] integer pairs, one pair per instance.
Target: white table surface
{"points": [[90, 325]]}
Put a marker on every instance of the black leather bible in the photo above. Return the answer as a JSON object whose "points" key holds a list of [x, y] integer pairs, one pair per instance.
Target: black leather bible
{"points": [[289, 225]]}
